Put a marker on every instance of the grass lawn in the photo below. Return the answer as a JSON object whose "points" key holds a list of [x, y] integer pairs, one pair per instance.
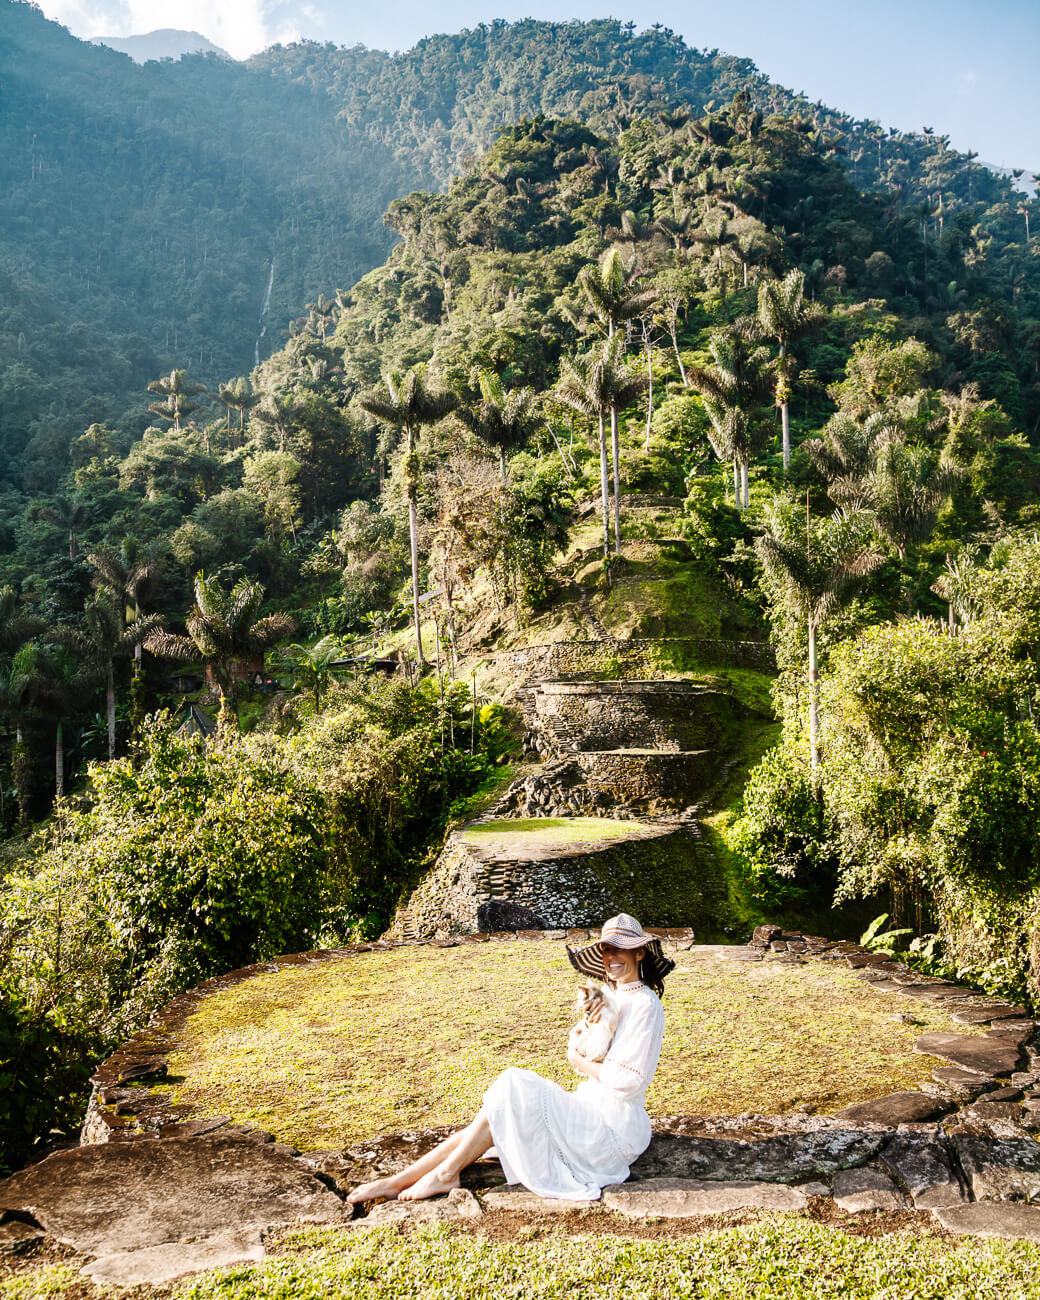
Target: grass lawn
{"points": [[784, 1257], [324, 1056], [549, 832]]}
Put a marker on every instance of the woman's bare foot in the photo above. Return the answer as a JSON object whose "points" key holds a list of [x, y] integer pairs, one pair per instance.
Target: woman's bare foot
{"points": [[386, 1187], [434, 1183]]}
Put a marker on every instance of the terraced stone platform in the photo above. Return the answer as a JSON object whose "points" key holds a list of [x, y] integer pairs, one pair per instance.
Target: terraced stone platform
{"points": [[562, 872], [164, 1188]]}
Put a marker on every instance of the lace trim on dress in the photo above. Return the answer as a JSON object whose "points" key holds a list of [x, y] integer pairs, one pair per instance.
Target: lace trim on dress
{"points": [[631, 1068], [629, 988]]}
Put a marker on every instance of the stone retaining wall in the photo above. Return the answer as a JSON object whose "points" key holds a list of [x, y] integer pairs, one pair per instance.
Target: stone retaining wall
{"points": [[650, 715], [642, 657], [651, 784], [961, 1148], [656, 871]]}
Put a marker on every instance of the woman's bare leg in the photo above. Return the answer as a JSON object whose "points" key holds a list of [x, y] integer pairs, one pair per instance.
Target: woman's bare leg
{"points": [[391, 1186], [444, 1176]]}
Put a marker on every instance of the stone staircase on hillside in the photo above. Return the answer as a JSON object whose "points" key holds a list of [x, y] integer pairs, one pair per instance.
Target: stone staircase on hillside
{"points": [[650, 751]]}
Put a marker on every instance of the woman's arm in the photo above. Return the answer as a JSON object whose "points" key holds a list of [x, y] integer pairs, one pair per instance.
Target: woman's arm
{"points": [[629, 1066], [582, 1065]]}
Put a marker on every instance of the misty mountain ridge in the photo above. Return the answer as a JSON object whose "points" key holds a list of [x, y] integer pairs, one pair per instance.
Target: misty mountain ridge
{"points": [[166, 43]]}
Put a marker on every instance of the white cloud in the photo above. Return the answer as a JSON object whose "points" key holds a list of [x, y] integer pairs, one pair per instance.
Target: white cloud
{"points": [[239, 26]]}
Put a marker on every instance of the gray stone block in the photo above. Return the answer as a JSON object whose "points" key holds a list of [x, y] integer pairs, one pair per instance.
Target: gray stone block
{"points": [[514, 1197], [999, 1168], [896, 1108], [157, 1265], [458, 1204], [924, 1167], [990, 1219], [859, 1190], [682, 1198], [992, 1053]]}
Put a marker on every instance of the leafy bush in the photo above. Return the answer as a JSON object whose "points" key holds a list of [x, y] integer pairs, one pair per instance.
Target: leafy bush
{"points": [[42, 1073], [186, 861], [784, 834]]}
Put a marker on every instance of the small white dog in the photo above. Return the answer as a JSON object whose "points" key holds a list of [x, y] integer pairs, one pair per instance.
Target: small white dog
{"points": [[592, 1039]]}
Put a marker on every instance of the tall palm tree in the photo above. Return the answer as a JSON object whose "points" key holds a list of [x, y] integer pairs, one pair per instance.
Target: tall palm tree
{"points": [[817, 571], [16, 628], [599, 384], [410, 406], [48, 679], [222, 628], [175, 391], [105, 637], [132, 576], [905, 490], [67, 513], [784, 316], [504, 419], [237, 395], [610, 291], [732, 389]]}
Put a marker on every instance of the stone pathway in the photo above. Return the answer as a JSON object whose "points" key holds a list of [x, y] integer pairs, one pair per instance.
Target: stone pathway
{"points": [[158, 1191]]}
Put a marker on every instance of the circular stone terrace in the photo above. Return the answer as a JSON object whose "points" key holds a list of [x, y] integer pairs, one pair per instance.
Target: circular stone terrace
{"points": [[794, 1072]]}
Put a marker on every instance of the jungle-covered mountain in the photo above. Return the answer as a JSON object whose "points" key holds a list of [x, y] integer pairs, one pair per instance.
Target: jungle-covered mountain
{"points": [[835, 393], [178, 215]]}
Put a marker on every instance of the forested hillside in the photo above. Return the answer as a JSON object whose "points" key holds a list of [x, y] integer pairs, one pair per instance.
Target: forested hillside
{"points": [[728, 308], [151, 216]]}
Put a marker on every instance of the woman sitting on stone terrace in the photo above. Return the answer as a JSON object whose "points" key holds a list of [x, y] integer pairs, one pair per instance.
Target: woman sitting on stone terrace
{"points": [[556, 1143]]}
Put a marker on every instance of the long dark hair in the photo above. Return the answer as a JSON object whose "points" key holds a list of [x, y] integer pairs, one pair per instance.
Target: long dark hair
{"points": [[655, 984]]}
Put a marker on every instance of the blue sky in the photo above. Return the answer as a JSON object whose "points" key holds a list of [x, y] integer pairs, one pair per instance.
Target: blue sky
{"points": [[968, 68]]}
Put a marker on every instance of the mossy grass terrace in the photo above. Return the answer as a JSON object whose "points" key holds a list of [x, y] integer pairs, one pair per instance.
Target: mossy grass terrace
{"points": [[324, 1056]]}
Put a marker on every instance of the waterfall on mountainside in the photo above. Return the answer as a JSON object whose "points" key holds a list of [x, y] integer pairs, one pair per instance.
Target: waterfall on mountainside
{"points": [[263, 315]]}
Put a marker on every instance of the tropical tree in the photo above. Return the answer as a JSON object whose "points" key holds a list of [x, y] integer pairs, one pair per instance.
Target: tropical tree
{"points": [[610, 291], [503, 419], [733, 389], [409, 405], [314, 668], [105, 637], [598, 384], [131, 575], [16, 628], [814, 572], [783, 316], [237, 395], [905, 489], [175, 391], [223, 629], [49, 680], [69, 514]]}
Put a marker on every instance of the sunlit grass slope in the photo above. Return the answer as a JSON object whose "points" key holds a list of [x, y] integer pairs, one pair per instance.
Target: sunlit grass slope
{"points": [[326, 1055]]}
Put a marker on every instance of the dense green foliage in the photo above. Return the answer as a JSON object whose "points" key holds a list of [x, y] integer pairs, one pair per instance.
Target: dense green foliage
{"points": [[188, 860], [645, 294], [144, 208]]}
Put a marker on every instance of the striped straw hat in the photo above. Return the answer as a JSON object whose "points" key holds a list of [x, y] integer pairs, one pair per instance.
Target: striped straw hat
{"points": [[623, 931]]}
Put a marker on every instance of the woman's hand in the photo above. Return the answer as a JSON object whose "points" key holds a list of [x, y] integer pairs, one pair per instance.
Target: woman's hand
{"points": [[593, 1009]]}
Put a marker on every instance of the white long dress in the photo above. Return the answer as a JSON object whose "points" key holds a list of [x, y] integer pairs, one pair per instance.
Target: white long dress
{"points": [[573, 1144]]}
